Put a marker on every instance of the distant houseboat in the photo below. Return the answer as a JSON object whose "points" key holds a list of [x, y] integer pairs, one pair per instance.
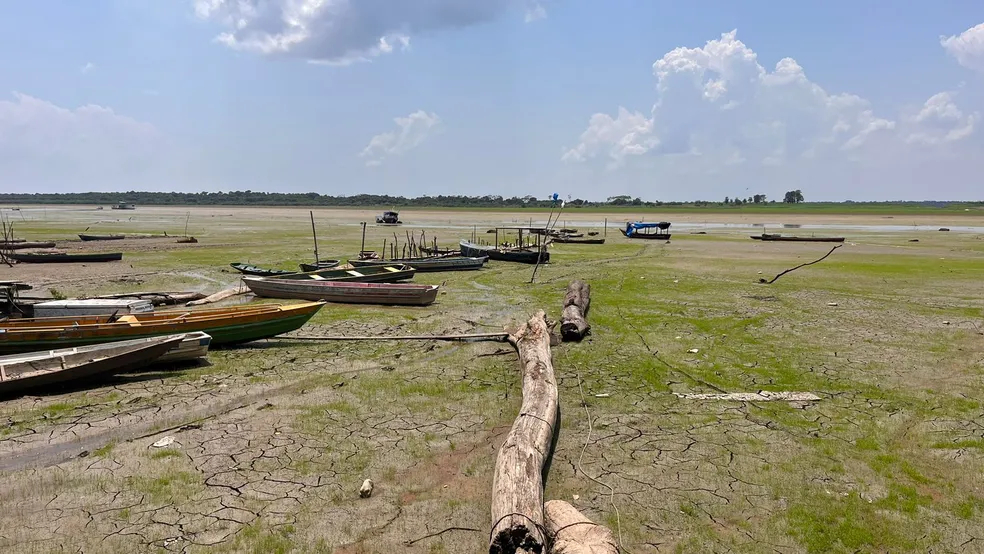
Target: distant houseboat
{"points": [[125, 206]]}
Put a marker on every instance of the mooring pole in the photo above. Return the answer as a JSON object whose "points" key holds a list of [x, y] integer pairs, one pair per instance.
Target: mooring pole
{"points": [[363, 249], [315, 233]]}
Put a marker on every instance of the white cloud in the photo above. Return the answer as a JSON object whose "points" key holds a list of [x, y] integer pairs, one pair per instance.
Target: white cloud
{"points": [[967, 47], [411, 131], [47, 146], [89, 66], [345, 31], [718, 106]]}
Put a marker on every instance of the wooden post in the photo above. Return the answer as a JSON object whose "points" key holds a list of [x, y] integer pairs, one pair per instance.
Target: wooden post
{"points": [[606, 227], [574, 326], [363, 249], [517, 484], [572, 533], [315, 233]]}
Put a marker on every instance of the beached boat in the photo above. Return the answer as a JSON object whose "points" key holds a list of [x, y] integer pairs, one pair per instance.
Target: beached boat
{"points": [[521, 255], [229, 325], [323, 264], [572, 240], [21, 372], [63, 258], [23, 245], [86, 237], [387, 273], [344, 292], [248, 269], [436, 263], [650, 231], [768, 237], [436, 251]]}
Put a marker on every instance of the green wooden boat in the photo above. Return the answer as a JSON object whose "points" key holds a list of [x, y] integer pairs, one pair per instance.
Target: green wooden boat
{"points": [[375, 274], [227, 326], [248, 269]]}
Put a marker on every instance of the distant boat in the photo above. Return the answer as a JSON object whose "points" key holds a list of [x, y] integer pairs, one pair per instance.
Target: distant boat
{"points": [[323, 264], [520, 255], [86, 237], [339, 291], [125, 206], [436, 263], [387, 273], [780, 238], [248, 269], [229, 325], [23, 245], [638, 230], [62, 258], [389, 218], [435, 251], [574, 240], [21, 372]]}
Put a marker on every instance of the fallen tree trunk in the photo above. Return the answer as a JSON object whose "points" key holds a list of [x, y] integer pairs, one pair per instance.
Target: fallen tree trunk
{"points": [[221, 295], [574, 326], [517, 485], [571, 532]]}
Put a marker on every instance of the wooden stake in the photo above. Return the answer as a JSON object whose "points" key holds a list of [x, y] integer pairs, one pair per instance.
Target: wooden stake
{"points": [[517, 485], [315, 233], [574, 326], [572, 533]]}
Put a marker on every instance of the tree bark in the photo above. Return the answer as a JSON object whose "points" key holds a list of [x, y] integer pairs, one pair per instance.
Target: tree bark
{"points": [[572, 533], [574, 326], [517, 485]]}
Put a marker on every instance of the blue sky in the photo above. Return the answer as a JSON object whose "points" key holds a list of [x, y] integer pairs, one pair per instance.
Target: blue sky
{"points": [[663, 100]]}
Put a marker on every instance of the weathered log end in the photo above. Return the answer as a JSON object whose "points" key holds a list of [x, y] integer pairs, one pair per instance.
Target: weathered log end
{"points": [[577, 300], [518, 538], [573, 533]]}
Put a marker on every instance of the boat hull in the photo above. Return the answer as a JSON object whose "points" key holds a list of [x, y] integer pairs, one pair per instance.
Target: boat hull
{"points": [[226, 326], [65, 258], [323, 264], [383, 273], [404, 294], [424, 265], [469, 249], [23, 245], [247, 269], [649, 236], [769, 238], [84, 362], [578, 241], [87, 238]]}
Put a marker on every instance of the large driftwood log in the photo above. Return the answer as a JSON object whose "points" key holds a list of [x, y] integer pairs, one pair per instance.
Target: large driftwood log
{"points": [[517, 486], [574, 326], [572, 533]]}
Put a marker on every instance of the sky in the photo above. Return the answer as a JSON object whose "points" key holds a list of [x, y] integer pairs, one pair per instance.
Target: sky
{"points": [[588, 99]]}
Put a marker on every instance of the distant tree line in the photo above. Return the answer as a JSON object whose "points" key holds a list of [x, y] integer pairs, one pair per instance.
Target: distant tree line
{"points": [[254, 198]]}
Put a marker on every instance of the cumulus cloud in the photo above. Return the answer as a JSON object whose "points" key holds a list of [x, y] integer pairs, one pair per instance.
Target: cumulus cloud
{"points": [[346, 31], [411, 131], [967, 47], [718, 104], [44, 145]]}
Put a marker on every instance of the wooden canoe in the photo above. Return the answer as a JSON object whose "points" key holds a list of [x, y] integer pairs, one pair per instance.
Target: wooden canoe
{"points": [[248, 269], [437, 251], [780, 238], [650, 236], [436, 263], [23, 245], [86, 237], [344, 292], [228, 325], [525, 256], [323, 264], [571, 240], [26, 371], [63, 258], [388, 273]]}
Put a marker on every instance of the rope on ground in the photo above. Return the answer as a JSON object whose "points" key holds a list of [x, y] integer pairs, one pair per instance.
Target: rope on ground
{"points": [[611, 489], [470, 337]]}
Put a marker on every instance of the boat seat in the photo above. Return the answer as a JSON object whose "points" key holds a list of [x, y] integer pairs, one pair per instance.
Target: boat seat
{"points": [[391, 269], [3, 373], [317, 277], [132, 320], [354, 273]]}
